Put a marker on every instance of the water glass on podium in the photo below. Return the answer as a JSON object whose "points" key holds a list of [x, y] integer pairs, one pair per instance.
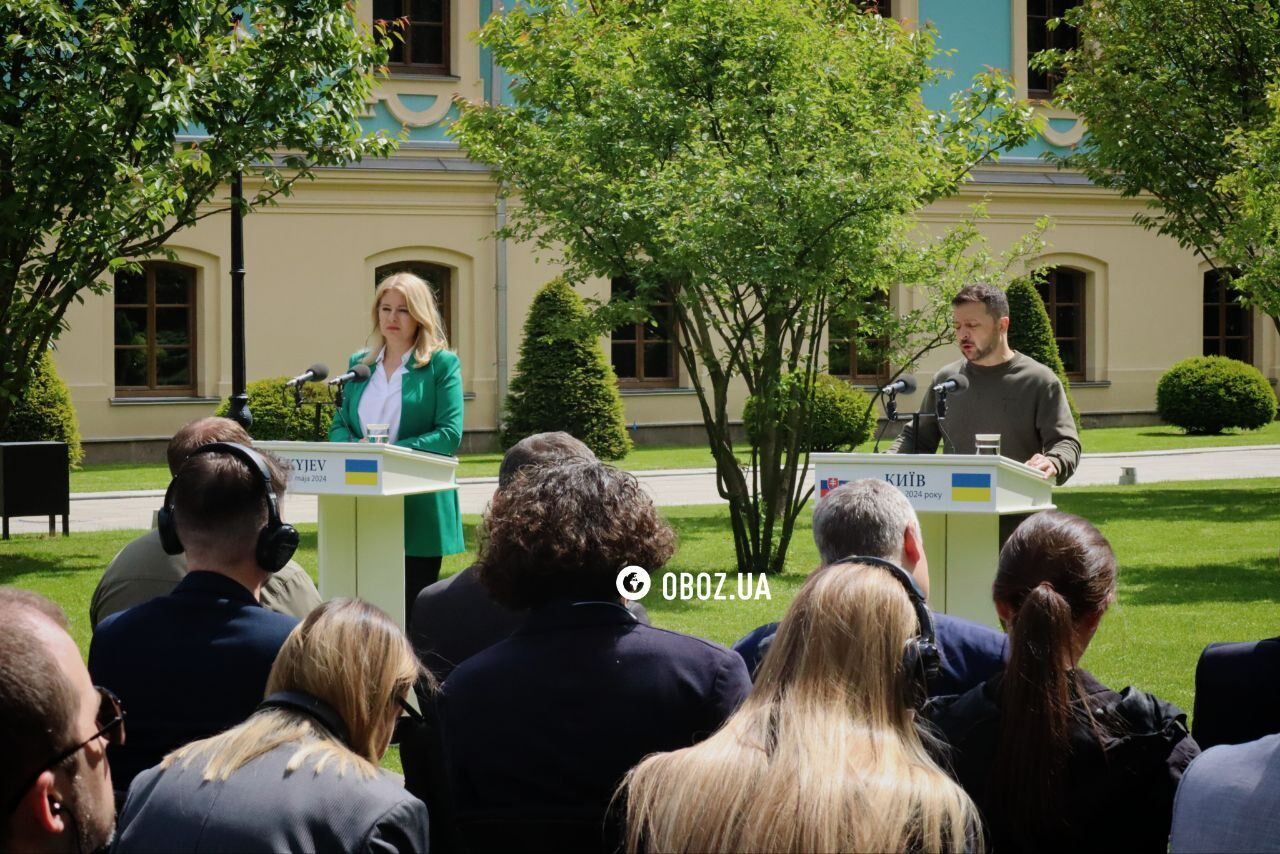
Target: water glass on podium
{"points": [[987, 444]]}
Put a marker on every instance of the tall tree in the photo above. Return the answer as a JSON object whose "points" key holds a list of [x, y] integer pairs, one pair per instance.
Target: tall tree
{"points": [[1166, 87], [120, 119], [757, 164]]}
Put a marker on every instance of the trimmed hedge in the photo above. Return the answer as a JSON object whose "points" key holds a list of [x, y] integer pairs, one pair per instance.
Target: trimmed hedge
{"points": [[840, 416], [563, 381], [1209, 394], [45, 412], [275, 418], [1031, 334]]}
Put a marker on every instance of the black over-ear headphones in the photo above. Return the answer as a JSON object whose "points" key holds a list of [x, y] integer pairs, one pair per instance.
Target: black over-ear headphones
{"points": [[311, 706], [277, 541], [921, 660]]}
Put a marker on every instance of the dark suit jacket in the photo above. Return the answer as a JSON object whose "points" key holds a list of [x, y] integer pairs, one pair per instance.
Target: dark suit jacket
{"points": [[185, 666], [1237, 692], [264, 807], [541, 728], [971, 652]]}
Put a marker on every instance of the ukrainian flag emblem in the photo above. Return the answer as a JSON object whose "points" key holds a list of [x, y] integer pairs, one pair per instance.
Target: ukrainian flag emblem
{"points": [[362, 472], [970, 487]]}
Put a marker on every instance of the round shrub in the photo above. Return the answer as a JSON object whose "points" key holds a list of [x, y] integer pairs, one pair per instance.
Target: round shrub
{"points": [[840, 416], [563, 381], [275, 418], [45, 413], [1209, 394]]}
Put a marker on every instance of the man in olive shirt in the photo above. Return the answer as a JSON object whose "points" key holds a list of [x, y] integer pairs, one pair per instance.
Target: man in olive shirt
{"points": [[142, 570], [1008, 393]]}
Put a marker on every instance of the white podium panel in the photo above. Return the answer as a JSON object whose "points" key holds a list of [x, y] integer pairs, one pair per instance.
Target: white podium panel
{"points": [[361, 489], [959, 499]]}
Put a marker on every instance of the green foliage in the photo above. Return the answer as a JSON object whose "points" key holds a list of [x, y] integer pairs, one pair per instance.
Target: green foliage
{"points": [[758, 165], [1172, 91], [839, 415], [276, 418], [45, 413], [1031, 333], [95, 96], [1252, 241], [563, 381], [1209, 394]]}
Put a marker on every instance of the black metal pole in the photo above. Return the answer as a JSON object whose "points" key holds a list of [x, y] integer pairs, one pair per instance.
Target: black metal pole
{"points": [[239, 411]]}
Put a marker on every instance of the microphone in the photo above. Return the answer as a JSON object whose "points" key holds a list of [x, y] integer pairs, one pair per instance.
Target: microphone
{"points": [[313, 374], [902, 385], [359, 372], [957, 383]]}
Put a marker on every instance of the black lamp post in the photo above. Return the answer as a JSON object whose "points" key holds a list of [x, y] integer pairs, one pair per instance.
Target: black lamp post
{"points": [[239, 410]]}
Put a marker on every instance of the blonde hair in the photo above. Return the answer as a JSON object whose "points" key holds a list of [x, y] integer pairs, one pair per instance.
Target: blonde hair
{"points": [[824, 755], [346, 653], [421, 303]]}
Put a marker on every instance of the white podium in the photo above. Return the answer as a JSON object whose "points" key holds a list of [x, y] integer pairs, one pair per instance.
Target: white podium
{"points": [[361, 489], [960, 499]]}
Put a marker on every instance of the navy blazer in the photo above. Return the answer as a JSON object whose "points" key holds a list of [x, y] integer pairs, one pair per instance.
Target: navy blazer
{"points": [[185, 666], [1237, 692], [543, 726], [971, 652]]}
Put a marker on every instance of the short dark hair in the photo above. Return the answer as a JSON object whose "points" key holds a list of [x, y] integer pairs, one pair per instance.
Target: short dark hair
{"points": [[989, 295], [563, 531], [218, 502], [37, 702], [540, 449], [201, 432]]}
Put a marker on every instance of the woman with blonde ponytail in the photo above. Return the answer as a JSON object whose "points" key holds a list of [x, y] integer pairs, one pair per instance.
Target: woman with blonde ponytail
{"points": [[1055, 760], [825, 754]]}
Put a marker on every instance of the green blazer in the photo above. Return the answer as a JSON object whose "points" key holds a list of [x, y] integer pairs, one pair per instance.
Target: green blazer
{"points": [[430, 420]]}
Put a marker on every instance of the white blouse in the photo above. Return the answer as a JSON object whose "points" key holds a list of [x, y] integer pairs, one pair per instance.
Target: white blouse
{"points": [[380, 403]]}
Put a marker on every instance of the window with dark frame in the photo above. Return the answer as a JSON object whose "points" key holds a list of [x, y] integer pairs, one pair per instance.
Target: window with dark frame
{"points": [[155, 331], [1063, 294], [421, 45], [438, 276], [883, 8], [1040, 37], [1228, 325], [860, 359], [644, 354]]}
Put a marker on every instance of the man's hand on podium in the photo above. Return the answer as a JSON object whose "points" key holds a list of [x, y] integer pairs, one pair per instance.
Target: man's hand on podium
{"points": [[1047, 466]]}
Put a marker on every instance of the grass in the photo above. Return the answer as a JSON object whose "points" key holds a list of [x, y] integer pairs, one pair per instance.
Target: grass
{"points": [[114, 477]]}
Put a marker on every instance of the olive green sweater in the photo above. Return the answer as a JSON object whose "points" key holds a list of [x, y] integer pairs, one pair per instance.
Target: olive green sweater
{"points": [[1022, 400]]}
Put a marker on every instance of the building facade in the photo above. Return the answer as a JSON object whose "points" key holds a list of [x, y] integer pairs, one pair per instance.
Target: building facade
{"points": [[155, 353]]}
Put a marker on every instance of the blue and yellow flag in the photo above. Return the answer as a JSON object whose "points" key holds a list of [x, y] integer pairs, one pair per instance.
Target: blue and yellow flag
{"points": [[362, 472], [970, 487]]}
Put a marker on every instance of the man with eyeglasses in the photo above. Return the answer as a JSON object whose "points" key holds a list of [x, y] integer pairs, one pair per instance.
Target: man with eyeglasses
{"points": [[54, 728]]}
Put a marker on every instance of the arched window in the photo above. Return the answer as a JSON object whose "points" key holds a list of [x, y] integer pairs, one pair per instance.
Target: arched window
{"points": [[859, 358], [1063, 293], [644, 354], [1041, 37], [1228, 326], [439, 277], [155, 331]]}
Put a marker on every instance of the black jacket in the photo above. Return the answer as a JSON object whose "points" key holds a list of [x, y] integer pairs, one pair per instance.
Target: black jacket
{"points": [[1118, 790], [1236, 695]]}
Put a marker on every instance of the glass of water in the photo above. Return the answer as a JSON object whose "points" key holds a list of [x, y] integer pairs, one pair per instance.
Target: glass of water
{"points": [[987, 443], [379, 434]]}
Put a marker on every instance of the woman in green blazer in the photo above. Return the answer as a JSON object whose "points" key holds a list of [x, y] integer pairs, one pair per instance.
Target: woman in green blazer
{"points": [[414, 387]]}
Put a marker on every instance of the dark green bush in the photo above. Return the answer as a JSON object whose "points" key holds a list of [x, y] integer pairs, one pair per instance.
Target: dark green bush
{"points": [[275, 418], [1031, 333], [45, 413], [840, 416], [1209, 394], [563, 381]]}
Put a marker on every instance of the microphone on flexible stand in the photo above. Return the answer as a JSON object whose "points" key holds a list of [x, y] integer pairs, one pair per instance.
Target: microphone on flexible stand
{"points": [[902, 385], [313, 374], [956, 384], [359, 373]]}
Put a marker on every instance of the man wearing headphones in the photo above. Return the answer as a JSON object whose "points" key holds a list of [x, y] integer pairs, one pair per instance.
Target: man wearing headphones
{"points": [[195, 662]]}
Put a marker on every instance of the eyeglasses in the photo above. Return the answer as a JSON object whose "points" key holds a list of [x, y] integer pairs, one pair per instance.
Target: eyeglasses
{"points": [[110, 722]]}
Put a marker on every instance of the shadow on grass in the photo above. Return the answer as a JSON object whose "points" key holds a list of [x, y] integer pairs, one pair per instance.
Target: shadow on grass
{"points": [[1156, 503], [1244, 582], [14, 567]]}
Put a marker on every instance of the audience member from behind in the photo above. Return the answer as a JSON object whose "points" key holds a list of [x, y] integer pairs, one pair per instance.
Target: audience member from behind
{"points": [[194, 662], [1054, 759], [142, 570], [825, 754], [1237, 692], [540, 728], [1229, 799], [302, 773], [55, 783], [871, 518], [456, 617]]}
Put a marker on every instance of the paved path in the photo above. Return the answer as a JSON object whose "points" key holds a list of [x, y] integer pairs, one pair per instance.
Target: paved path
{"points": [[106, 511]]}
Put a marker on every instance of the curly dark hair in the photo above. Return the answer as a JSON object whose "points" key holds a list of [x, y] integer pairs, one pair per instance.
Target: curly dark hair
{"points": [[563, 530]]}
